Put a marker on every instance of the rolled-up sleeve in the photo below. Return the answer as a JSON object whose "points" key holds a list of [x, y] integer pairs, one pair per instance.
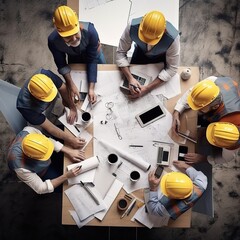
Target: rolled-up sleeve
{"points": [[172, 61], [154, 205], [34, 181], [197, 177], [124, 46]]}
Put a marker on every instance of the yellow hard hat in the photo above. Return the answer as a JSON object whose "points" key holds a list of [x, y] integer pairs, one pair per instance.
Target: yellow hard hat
{"points": [[222, 134], [152, 27], [37, 146], [202, 94], [176, 185], [42, 87], [66, 21]]}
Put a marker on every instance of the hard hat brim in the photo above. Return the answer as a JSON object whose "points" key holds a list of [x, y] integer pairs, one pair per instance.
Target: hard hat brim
{"points": [[147, 40], [209, 134], [191, 103], [70, 32], [163, 184]]}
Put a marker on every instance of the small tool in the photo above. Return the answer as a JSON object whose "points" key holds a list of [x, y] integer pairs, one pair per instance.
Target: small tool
{"points": [[118, 132], [187, 137]]}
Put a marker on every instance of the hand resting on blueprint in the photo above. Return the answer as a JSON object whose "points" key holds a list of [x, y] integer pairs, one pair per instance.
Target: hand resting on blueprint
{"points": [[75, 155]]}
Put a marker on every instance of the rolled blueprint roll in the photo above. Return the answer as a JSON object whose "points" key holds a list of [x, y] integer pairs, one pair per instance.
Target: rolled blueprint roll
{"points": [[87, 165], [137, 161]]}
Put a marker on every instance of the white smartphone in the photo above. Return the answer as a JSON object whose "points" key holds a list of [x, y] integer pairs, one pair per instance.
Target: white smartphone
{"points": [[150, 115]]}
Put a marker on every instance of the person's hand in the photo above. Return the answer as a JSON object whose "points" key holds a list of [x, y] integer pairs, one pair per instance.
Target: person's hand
{"points": [[181, 165], [73, 92], [175, 122], [92, 97], [192, 158], [72, 116], [73, 172], [77, 142], [76, 155], [134, 86], [135, 95], [153, 181]]}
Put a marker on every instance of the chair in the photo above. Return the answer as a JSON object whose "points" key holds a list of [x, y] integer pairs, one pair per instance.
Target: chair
{"points": [[8, 98]]}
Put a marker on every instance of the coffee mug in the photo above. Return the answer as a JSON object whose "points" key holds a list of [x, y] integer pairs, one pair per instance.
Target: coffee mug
{"points": [[86, 117], [112, 158], [122, 204], [134, 176]]}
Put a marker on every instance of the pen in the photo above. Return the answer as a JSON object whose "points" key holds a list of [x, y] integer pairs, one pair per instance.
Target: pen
{"points": [[90, 192], [119, 165], [135, 145], [129, 207], [187, 137], [135, 87], [77, 128]]}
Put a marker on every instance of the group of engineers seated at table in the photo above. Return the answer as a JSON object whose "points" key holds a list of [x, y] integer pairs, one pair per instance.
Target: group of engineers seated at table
{"points": [[156, 40]]}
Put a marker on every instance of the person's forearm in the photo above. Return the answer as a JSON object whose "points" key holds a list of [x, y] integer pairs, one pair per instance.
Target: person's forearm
{"points": [[68, 79], [59, 180], [154, 84], [56, 132], [126, 72], [91, 86]]}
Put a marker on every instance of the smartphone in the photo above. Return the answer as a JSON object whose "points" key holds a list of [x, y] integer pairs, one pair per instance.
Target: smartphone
{"points": [[181, 152], [163, 157], [158, 171]]}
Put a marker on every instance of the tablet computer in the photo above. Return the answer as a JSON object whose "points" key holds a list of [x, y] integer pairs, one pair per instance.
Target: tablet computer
{"points": [[150, 115]]}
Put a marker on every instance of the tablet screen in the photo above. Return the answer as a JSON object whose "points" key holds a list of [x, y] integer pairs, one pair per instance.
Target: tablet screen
{"points": [[151, 114]]}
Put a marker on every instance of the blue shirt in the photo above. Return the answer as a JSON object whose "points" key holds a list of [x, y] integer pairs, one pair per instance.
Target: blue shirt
{"points": [[31, 108], [86, 52]]}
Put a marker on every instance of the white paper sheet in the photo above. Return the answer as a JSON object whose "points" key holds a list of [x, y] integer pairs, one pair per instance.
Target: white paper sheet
{"points": [[150, 220], [82, 202], [123, 11], [124, 154], [78, 221], [109, 198], [87, 171], [81, 132]]}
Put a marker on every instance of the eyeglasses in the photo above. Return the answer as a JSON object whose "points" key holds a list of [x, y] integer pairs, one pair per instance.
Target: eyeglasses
{"points": [[109, 106]]}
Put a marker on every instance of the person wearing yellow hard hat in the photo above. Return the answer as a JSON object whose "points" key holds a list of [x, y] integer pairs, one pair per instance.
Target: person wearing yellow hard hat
{"points": [[156, 41], [73, 41], [175, 192], [215, 99], [224, 135], [37, 98], [29, 157]]}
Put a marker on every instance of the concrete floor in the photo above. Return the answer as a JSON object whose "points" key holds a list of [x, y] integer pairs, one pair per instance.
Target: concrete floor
{"points": [[210, 39]]}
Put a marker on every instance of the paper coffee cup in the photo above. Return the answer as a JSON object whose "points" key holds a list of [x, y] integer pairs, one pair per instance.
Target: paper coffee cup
{"points": [[86, 117], [134, 176], [112, 158], [122, 204]]}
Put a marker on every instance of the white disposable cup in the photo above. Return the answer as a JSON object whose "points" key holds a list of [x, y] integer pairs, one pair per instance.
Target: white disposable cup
{"points": [[134, 176], [112, 158], [86, 117]]}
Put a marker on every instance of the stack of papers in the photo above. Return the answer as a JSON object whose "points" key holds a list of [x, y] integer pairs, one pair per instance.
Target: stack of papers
{"points": [[102, 184]]}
